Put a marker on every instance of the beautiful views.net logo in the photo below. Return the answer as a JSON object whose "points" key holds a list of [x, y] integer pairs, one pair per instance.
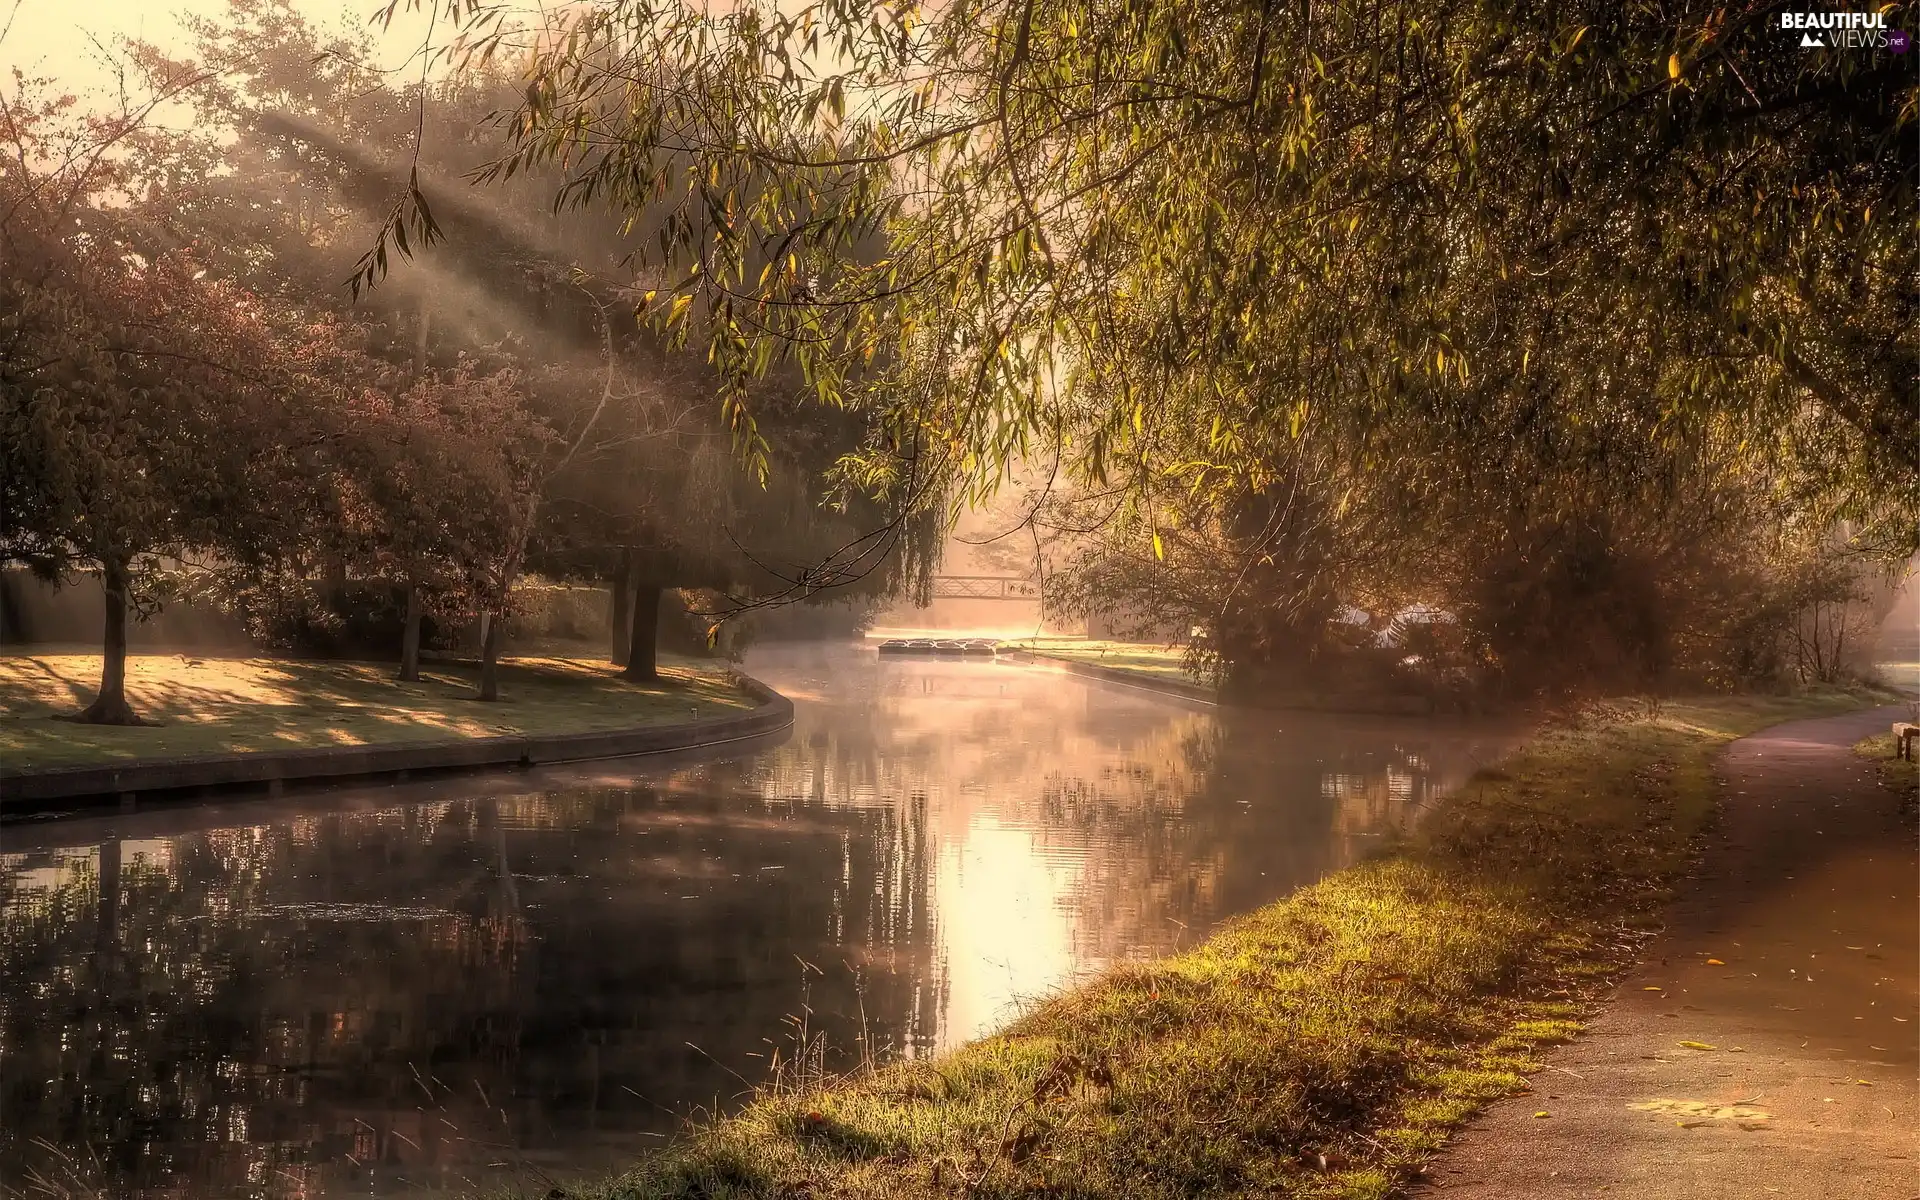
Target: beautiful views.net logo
{"points": [[1845, 31]]}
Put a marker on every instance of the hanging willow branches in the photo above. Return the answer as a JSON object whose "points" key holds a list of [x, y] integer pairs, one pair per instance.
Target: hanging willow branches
{"points": [[1167, 240]]}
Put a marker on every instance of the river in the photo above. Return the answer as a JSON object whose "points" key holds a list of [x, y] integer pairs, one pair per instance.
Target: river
{"points": [[506, 981]]}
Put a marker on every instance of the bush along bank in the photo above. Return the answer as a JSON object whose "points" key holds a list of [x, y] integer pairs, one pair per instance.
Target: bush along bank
{"points": [[1322, 1046]]}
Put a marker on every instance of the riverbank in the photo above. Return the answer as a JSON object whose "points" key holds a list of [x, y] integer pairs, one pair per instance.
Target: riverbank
{"points": [[1156, 669], [1900, 776], [1137, 658], [250, 721], [238, 705], [1325, 1045], [1164, 669]]}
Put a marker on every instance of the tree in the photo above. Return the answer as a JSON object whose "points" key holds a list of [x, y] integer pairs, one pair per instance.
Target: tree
{"points": [[428, 488], [142, 406], [1170, 242], [658, 502], [640, 488]]}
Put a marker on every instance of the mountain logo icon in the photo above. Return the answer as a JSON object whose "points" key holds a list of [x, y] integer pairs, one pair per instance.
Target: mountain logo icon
{"points": [[1810, 42]]}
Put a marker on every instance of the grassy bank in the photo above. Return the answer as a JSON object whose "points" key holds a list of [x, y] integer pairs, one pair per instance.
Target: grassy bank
{"points": [[230, 705], [1322, 1046], [1901, 776], [1141, 658]]}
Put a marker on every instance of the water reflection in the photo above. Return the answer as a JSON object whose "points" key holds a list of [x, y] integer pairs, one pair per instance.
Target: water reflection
{"points": [[449, 986]]}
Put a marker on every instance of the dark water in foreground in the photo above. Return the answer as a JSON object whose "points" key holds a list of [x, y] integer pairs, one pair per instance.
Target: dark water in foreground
{"points": [[508, 980]]}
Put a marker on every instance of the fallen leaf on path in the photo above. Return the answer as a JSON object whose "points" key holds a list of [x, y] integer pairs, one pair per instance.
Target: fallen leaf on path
{"points": [[1653, 989], [1714, 962], [1542, 1114], [1698, 1046]]}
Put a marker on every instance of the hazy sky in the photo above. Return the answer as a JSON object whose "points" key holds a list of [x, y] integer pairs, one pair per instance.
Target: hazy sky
{"points": [[52, 34], [55, 37]]}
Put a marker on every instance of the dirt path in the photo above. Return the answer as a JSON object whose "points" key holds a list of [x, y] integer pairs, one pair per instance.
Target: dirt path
{"points": [[1796, 959]]}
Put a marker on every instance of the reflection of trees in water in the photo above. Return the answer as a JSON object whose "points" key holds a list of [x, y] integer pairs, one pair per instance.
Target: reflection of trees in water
{"points": [[330, 1002], [1169, 819], [1098, 780], [230, 1001], [1215, 815], [420, 990]]}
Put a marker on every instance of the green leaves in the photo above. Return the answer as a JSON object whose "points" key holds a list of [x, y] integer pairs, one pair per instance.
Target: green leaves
{"points": [[411, 212], [1421, 260]]}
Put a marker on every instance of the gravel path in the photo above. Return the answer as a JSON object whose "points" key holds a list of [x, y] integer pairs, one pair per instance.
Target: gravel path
{"points": [[1770, 1043]]}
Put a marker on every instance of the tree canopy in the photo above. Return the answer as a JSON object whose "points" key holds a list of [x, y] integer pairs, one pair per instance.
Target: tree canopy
{"points": [[1422, 261], [190, 380]]}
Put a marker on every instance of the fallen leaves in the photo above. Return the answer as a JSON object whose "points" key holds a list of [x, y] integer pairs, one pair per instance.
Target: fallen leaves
{"points": [[1699, 1046]]}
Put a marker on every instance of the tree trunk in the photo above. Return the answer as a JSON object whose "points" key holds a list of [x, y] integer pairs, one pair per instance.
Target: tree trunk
{"points": [[410, 639], [621, 588], [110, 707], [489, 657], [643, 644]]}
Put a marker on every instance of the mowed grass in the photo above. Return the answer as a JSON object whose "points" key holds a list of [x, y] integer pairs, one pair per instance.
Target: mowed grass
{"points": [[1322, 1046], [232, 705], [1145, 658]]}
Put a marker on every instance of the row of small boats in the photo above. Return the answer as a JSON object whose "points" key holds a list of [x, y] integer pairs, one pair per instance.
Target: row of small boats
{"points": [[974, 647]]}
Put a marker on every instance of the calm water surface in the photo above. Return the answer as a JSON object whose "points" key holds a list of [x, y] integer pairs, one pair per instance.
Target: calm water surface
{"points": [[510, 980]]}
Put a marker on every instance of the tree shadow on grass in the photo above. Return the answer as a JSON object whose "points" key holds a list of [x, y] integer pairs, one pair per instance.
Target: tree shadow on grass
{"points": [[14, 694], [262, 704]]}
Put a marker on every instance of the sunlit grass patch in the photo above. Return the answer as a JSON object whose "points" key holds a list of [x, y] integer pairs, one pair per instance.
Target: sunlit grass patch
{"points": [[1322, 1046], [233, 705], [1144, 658]]}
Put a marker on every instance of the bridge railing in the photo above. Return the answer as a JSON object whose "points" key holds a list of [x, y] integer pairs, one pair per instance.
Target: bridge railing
{"points": [[985, 587]]}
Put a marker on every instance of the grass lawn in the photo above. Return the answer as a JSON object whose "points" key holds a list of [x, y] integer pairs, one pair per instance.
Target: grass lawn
{"points": [[1322, 1046], [227, 705], [1145, 658]]}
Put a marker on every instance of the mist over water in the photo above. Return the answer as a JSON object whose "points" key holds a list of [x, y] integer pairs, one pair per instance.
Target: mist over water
{"points": [[516, 979]]}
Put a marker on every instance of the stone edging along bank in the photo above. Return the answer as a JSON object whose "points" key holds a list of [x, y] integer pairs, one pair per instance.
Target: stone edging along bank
{"points": [[25, 792]]}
